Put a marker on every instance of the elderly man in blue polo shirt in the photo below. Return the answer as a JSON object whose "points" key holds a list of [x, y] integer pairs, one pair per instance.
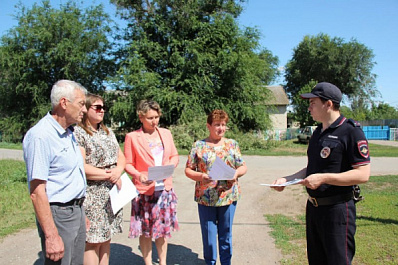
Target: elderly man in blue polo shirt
{"points": [[338, 160], [56, 177]]}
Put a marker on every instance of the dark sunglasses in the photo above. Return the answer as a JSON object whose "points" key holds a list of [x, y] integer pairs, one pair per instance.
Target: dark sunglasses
{"points": [[98, 108]]}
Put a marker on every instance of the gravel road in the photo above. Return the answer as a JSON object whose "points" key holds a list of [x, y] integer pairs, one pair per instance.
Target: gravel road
{"points": [[251, 240]]}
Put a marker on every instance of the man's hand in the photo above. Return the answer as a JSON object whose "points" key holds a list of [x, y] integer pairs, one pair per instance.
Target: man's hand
{"points": [[313, 181], [54, 248]]}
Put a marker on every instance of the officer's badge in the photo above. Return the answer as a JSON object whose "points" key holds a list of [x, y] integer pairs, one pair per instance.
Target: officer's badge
{"points": [[363, 148], [325, 152]]}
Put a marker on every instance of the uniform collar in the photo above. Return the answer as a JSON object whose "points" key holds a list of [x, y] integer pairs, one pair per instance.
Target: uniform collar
{"points": [[340, 120]]}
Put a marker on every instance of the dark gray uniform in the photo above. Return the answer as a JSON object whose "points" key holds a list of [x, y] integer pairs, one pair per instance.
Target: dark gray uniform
{"points": [[331, 212]]}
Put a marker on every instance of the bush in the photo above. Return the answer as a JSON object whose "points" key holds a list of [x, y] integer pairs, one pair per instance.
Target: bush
{"points": [[186, 134]]}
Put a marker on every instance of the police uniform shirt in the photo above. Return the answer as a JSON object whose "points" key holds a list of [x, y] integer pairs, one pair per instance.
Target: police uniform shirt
{"points": [[335, 150]]}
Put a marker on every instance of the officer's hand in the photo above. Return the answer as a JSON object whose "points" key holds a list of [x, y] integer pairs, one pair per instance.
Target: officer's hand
{"points": [[278, 181], [313, 181]]}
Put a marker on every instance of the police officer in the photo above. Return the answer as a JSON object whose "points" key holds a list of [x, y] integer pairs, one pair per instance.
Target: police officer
{"points": [[338, 160]]}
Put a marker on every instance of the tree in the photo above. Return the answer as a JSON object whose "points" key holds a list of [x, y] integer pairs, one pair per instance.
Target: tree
{"points": [[301, 113], [191, 57], [320, 58], [348, 65], [382, 111], [47, 45]]}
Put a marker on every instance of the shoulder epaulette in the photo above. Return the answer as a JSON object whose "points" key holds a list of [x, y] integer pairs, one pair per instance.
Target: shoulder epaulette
{"points": [[354, 123]]}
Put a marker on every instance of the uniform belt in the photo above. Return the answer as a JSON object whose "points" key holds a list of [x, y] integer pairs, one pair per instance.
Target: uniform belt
{"points": [[323, 201], [78, 202]]}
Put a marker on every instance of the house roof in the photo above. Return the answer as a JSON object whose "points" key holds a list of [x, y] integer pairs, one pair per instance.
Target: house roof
{"points": [[279, 96]]}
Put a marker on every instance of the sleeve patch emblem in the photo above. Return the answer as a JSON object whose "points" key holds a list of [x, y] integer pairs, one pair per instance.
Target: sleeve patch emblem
{"points": [[363, 148]]}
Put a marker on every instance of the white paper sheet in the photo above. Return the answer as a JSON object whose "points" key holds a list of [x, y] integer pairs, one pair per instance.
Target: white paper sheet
{"points": [[221, 171], [160, 172], [120, 198], [288, 183]]}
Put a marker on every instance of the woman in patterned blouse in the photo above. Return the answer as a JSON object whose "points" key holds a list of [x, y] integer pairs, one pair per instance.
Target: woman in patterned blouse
{"points": [[216, 199], [153, 212], [104, 163]]}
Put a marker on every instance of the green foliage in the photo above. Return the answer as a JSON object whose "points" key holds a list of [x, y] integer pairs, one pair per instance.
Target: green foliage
{"points": [[348, 65], [186, 134], [382, 111], [301, 113], [16, 209], [191, 57], [47, 45]]}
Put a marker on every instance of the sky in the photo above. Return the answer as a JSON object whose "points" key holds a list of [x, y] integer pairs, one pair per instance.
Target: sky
{"points": [[284, 23]]}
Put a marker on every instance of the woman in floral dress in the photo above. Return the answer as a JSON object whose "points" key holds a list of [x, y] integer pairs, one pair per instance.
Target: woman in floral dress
{"points": [[153, 212], [216, 199], [104, 164]]}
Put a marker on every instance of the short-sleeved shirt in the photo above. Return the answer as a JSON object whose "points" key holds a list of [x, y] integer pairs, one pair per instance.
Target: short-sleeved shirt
{"points": [[339, 148], [52, 154], [102, 149], [201, 159]]}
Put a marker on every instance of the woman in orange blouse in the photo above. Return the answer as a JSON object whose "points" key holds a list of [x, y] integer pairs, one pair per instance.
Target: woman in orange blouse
{"points": [[153, 212]]}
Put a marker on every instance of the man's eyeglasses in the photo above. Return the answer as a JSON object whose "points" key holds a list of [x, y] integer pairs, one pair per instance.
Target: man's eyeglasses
{"points": [[98, 108]]}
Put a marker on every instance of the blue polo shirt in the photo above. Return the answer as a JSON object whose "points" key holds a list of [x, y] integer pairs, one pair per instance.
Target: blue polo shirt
{"points": [[52, 154]]}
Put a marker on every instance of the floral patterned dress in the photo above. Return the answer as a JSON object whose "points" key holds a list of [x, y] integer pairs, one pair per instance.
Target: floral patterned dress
{"points": [[154, 215], [102, 151], [201, 159]]}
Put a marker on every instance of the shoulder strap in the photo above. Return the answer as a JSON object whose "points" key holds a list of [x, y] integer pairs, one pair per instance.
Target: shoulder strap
{"points": [[353, 123]]}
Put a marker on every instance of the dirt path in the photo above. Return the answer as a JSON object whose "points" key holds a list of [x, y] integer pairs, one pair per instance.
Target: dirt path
{"points": [[251, 240]]}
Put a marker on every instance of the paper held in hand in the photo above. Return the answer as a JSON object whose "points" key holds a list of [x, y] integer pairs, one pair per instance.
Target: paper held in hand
{"points": [[221, 171], [120, 198], [160, 172], [288, 183]]}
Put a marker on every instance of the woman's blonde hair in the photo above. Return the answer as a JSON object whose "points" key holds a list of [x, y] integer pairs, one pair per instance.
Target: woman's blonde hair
{"points": [[145, 105], [90, 99]]}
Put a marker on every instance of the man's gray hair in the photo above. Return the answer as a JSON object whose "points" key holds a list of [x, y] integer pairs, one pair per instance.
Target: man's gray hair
{"points": [[65, 89]]}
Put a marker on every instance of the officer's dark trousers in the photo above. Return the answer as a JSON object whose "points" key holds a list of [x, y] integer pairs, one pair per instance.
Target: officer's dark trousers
{"points": [[330, 233]]}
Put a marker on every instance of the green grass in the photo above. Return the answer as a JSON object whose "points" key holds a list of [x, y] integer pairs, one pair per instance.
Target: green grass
{"points": [[11, 145], [377, 226], [383, 150], [16, 210]]}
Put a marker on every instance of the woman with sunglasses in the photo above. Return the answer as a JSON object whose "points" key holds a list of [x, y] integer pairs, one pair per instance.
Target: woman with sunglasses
{"points": [[153, 212], [104, 163]]}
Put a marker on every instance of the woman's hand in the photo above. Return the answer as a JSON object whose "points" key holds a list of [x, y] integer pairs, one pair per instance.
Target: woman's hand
{"points": [[119, 184], [115, 174], [88, 224], [144, 179], [235, 179], [206, 179]]}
